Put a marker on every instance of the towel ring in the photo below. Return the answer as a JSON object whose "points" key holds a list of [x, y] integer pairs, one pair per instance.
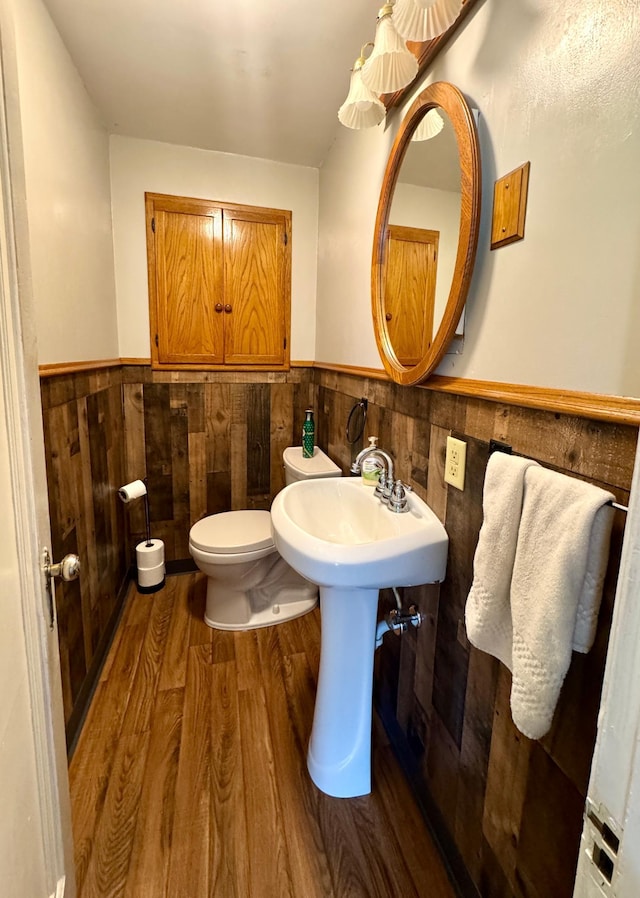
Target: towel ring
{"points": [[356, 421]]}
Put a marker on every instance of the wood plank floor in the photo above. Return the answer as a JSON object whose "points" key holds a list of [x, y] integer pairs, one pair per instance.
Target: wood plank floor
{"points": [[189, 778]]}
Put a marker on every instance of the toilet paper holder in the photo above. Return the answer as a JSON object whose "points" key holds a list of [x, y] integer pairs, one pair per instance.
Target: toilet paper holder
{"points": [[150, 562], [131, 491]]}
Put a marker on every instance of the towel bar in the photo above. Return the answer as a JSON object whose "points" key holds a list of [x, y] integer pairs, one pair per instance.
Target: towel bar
{"points": [[497, 446], [618, 506]]}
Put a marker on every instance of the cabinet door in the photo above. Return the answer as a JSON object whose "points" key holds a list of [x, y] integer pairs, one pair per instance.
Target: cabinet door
{"points": [[256, 280], [189, 273], [410, 291]]}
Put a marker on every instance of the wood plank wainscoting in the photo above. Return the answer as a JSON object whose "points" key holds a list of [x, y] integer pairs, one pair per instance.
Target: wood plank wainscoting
{"points": [[206, 441], [508, 808], [84, 446]]}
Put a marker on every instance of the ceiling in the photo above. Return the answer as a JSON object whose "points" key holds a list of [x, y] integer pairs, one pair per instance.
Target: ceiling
{"points": [[248, 77]]}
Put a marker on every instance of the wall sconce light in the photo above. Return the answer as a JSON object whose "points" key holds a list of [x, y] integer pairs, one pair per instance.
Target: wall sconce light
{"points": [[391, 65], [362, 108], [424, 20], [431, 124]]}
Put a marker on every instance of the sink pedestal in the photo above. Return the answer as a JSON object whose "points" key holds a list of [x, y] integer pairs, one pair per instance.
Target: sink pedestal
{"points": [[336, 533], [339, 757]]}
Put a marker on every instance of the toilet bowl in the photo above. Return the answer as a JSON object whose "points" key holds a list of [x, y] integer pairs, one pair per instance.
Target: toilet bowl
{"points": [[248, 583]]}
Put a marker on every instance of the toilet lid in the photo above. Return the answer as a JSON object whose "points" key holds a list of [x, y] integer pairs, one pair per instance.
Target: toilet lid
{"points": [[233, 531]]}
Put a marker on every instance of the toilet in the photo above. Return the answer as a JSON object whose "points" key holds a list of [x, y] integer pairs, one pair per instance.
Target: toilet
{"points": [[249, 584]]}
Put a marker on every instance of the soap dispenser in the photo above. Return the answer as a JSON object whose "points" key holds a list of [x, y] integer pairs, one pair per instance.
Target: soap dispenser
{"points": [[372, 466], [308, 434]]}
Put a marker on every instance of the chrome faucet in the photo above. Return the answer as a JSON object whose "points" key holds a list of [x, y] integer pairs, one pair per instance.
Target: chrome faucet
{"points": [[390, 491], [356, 467], [386, 480]]}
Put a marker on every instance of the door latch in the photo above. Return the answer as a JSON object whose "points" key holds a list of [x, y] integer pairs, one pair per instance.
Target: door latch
{"points": [[67, 569]]}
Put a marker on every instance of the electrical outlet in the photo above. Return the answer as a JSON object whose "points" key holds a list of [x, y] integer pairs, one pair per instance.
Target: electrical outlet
{"points": [[455, 462]]}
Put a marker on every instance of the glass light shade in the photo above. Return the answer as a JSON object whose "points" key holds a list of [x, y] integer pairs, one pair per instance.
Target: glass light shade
{"points": [[431, 124], [425, 19], [391, 65], [361, 109]]}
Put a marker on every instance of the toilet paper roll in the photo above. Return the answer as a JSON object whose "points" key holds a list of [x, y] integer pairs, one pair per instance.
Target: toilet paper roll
{"points": [[151, 568], [133, 490], [150, 556], [147, 580]]}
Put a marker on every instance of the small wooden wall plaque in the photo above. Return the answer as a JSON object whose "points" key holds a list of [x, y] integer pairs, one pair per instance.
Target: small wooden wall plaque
{"points": [[510, 206]]}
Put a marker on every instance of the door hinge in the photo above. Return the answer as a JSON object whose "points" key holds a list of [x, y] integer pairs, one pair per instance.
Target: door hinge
{"points": [[286, 238], [285, 342], [157, 343], [602, 837], [153, 225]]}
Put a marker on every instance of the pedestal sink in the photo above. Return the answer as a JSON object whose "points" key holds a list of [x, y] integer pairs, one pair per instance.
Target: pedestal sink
{"points": [[337, 534]]}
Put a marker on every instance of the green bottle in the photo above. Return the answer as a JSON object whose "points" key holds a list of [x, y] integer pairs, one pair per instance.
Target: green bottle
{"points": [[308, 434]]}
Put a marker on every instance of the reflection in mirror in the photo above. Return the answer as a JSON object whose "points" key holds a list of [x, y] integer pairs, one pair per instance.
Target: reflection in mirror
{"points": [[422, 240], [426, 233]]}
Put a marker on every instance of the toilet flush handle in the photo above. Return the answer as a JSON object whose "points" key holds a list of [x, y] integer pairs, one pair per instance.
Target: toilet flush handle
{"points": [[67, 569]]}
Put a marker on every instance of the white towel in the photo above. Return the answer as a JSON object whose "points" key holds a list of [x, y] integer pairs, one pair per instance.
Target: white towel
{"points": [[556, 588], [488, 609], [538, 572]]}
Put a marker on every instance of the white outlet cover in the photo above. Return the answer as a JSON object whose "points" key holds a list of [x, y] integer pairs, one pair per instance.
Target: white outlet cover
{"points": [[455, 461]]}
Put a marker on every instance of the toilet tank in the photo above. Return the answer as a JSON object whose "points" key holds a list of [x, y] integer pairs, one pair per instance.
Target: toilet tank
{"points": [[298, 468]]}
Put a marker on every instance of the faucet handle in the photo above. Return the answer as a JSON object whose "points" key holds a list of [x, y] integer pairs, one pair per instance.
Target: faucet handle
{"points": [[398, 501], [385, 488], [381, 485]]}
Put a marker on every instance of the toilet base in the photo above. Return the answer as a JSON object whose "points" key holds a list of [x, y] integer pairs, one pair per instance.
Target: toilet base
{"points": [[275, 614], [277, 593]]}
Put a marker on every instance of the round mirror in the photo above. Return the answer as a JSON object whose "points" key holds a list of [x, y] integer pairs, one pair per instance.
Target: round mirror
{"points": [[426, 233]]}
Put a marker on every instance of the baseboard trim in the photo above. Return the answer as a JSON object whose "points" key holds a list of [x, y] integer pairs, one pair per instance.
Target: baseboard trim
{"points": [[181, 566], [83, 701], [461, 881]]}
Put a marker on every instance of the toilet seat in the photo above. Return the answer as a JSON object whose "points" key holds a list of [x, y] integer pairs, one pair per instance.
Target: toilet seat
{"points": [[233, 533]]}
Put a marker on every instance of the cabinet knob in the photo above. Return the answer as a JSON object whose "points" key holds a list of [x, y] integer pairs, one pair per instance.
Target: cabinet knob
{"points": [[388, 316], [218, 307], [227, 308]]}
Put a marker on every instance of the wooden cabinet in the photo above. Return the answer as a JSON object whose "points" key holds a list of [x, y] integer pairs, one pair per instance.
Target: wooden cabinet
{"points": [[219, 284], [410, 287]]}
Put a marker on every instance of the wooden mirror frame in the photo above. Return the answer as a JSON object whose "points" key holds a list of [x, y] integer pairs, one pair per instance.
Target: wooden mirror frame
{"points": [[444, 96]]}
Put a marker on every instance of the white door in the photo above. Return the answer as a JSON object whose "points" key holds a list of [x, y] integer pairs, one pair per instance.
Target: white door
{"points": [[609, 862], [36, 858]]}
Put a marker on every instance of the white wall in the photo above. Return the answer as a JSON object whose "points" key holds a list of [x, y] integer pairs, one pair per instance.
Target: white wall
{"points": [[142, 165], [66, 161], [556, 84]]}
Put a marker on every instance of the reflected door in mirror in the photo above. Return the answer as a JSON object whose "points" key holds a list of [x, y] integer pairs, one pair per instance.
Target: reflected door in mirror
{"points": [[410, 287]]}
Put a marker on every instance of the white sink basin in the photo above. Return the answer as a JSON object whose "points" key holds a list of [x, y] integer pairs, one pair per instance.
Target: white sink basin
{"points": [[338, 534], [335, 532]]}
